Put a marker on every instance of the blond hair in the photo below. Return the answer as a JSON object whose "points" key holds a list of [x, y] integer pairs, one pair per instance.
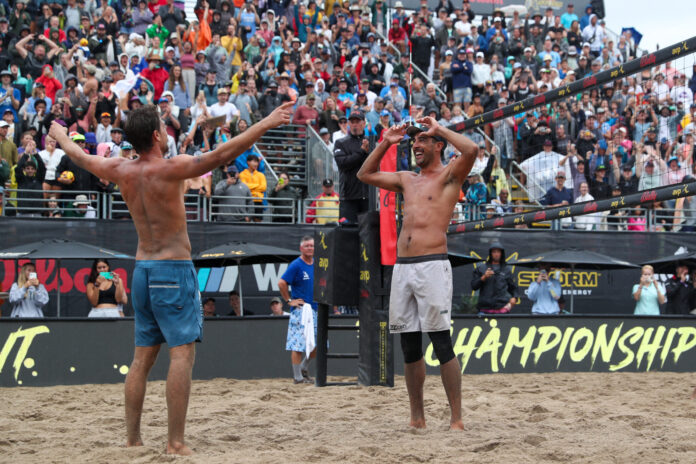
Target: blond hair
{"points": [[22, 277], [647, 267]]}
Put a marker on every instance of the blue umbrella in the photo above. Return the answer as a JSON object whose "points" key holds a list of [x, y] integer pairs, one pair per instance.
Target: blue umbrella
{"points": [[637, 36]]}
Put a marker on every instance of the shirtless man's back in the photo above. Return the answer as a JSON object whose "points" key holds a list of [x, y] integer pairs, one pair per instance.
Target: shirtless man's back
{"points": [[421, 292], [164, 288]]}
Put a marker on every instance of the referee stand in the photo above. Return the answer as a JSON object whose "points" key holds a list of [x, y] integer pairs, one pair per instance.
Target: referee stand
{"points": [[347, 272]]}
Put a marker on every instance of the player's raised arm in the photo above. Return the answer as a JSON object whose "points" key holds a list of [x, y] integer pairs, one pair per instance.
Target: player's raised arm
{"points": [[104, 168], [370, 173], [187, 167], [462, 165]]}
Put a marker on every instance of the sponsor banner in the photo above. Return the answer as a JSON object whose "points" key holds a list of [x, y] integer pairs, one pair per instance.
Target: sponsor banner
{"points": [[648, 61], [260, 281], [70, 352], [571, 344], [670, 192], [595, 291], [67, 352]]}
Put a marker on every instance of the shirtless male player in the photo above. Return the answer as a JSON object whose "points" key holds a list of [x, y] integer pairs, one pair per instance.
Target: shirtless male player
{"points": [[164, 289], [421, 290]]}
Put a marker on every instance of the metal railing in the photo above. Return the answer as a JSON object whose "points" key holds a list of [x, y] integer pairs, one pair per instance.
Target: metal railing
{"points": [[224, 208], [59, 203], [320, 164]]}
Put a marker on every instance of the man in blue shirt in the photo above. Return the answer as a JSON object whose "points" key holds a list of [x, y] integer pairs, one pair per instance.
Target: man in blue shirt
{"points": [[461, 78], [558, 195], [569, 16], [299, 276], [545, 292]]}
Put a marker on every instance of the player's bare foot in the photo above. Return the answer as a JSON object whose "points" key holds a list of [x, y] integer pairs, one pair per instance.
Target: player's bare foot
{"points": [[457, 425], [179, 448], [417, 423], [693, 395], [130, 444]]}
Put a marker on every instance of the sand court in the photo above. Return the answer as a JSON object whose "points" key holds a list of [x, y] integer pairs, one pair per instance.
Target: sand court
{"points": [[520, 418]]}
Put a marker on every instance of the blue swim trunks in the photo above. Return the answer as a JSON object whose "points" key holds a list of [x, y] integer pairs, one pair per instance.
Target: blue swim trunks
{"points": [[167, 303]]}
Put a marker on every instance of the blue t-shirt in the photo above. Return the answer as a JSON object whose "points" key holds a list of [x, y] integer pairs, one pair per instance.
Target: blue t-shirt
{"points": [[300, 276]]}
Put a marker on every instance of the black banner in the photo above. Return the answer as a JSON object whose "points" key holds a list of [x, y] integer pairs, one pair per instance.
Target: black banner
{"points": [[68, 352], [670, 192], [376, 362], [651, 60], [260, 281], [512, 344], [595, 292]]}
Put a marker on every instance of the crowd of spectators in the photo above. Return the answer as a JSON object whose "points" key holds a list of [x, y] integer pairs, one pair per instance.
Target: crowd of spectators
{"points": [[87, 63]]}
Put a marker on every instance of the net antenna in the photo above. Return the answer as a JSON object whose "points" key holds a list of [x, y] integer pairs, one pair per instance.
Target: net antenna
{"points": [[664, 175]]}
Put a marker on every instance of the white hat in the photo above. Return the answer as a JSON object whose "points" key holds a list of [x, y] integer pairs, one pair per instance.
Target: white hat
{"points": [[479, 54], [398, 4], [449, 52], [4, 124], [496, 19], [81, 200]]}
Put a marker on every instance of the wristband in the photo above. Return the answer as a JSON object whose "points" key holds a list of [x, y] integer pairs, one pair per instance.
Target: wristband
{"points": [[288, 301]]}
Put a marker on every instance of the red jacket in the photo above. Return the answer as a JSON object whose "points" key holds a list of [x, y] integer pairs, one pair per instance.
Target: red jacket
{"points": [[158, 77], [52, 86]]}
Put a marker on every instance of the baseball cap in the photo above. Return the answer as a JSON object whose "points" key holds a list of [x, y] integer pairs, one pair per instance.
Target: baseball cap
{"points": [[461, 51], [560, 174], [384, 113], [220, 90], [323, 131], [357, 114], [548, 143], [232, 169], [479, 54], [449, 53], [601, 167], [126, 146], [117, 129], [105, 115], [4, 124], [327, 182], [275, 299]]}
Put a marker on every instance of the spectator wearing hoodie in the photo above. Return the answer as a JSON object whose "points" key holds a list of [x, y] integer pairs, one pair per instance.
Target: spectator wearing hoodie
{"points": [[29, 174], [495, 283]]}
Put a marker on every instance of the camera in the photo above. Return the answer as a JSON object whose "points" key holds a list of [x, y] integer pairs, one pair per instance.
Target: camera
{"points": [[32, 275]]}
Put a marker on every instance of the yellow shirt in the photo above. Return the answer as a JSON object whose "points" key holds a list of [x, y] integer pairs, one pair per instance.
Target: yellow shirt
{"points": [[232, 43], [256, 183]]}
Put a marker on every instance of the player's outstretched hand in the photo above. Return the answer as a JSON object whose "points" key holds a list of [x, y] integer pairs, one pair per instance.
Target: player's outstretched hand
{"points": [[394, 134], [281, 115], [57, 131], [430, 124]]}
